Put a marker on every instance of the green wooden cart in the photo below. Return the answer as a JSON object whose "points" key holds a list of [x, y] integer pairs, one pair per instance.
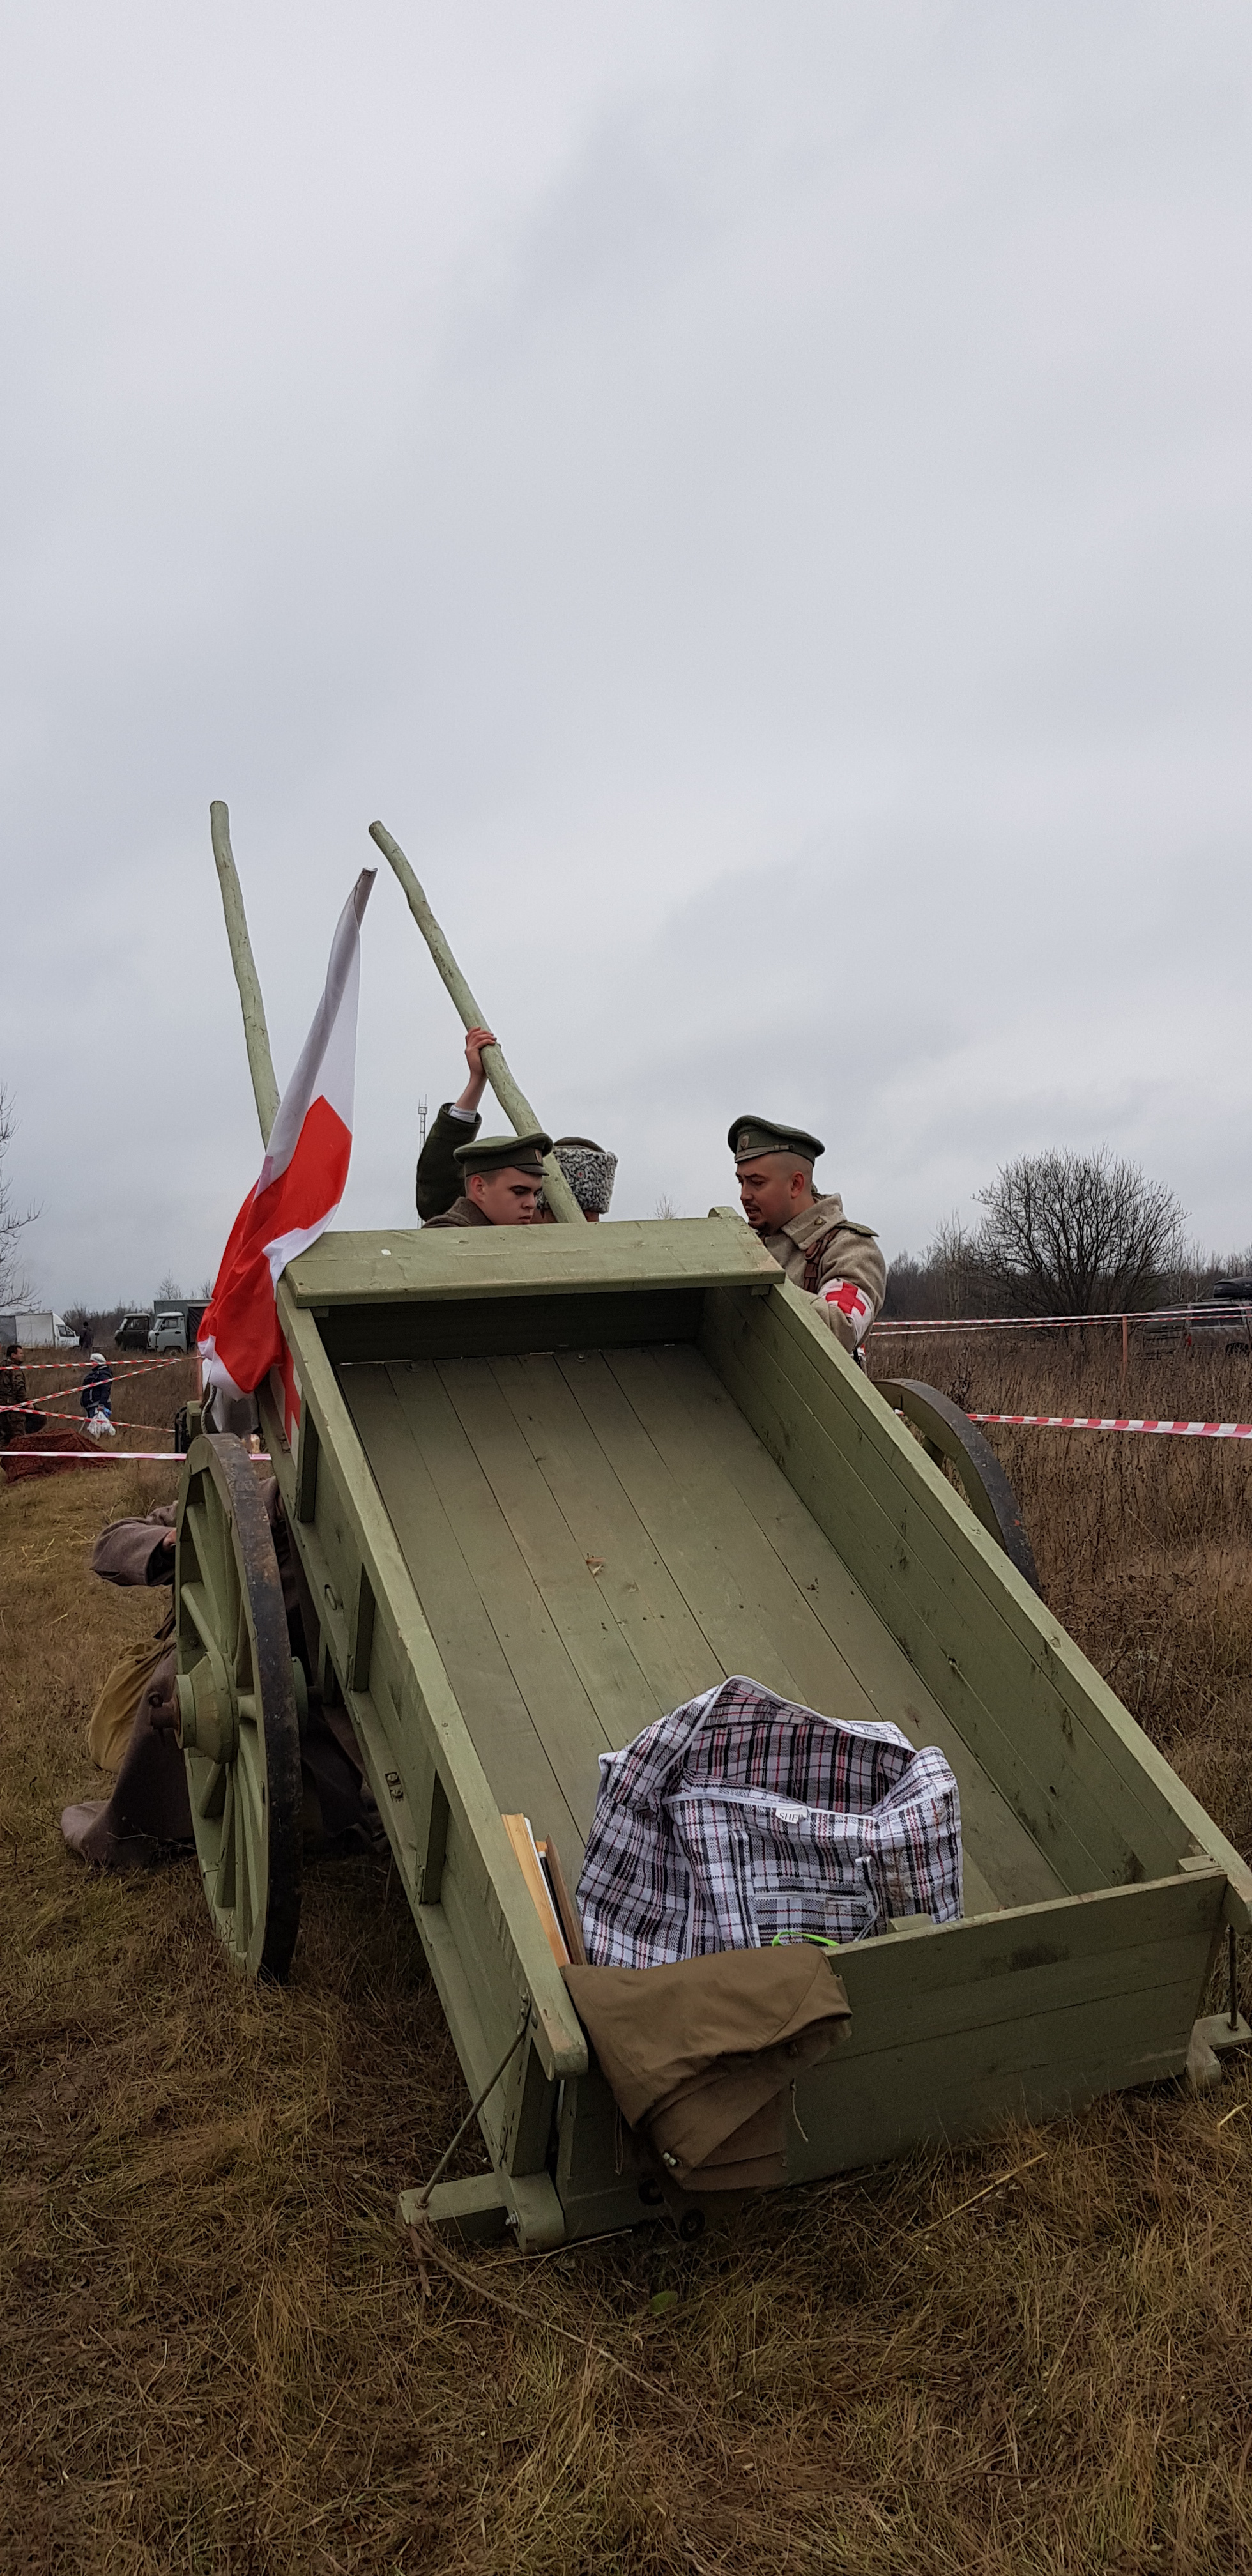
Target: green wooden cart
{"points": [[547, 1483]]}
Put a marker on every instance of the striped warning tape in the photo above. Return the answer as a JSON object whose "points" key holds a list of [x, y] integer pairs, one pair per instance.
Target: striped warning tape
{"points": [[1120, 1422], [1202, 1316], [117, 1457]]}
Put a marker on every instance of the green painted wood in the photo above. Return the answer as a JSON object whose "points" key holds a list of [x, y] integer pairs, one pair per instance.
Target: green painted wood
{"points": [[692, 1545], [512, 1099], [256, 1034], [421, 1491], [614, 1685], [997, 2023], [1063, 1702], [563, 1719], [513, 1260], [944, 1622], [488, 1327], [509, 1946], [844, 1660], [637, 1588]]}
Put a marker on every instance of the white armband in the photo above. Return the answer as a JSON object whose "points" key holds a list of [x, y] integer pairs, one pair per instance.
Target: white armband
{"points": [[853, 1302]]}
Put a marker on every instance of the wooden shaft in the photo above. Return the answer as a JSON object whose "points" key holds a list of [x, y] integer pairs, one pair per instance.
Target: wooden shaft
{"points": [[256, 1035], [513, 1101]]}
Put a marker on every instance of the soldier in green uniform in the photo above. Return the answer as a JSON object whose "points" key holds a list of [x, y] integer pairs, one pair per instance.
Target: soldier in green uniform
{"points": [[500, 1179], [834, 1261]]}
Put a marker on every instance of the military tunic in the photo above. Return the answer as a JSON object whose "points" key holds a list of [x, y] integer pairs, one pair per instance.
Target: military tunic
{"points": [[825, 1253], [439, 1174], [461, 1212]]}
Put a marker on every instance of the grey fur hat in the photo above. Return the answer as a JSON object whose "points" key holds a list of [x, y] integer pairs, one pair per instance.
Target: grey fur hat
{"points": [[589, 1170]]}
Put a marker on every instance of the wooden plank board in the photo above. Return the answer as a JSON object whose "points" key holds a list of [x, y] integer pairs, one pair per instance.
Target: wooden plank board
{"points": [[845, 1660], [941, 1621], [691, 1544], [562, 1574], [505, 1945], [518, 1769], [488, 1261], [666, 1641]]}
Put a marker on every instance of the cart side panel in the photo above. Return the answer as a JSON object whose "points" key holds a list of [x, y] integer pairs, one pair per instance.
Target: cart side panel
{"points": [[1020, 2016], [482, 1937], [1098, 1799]]}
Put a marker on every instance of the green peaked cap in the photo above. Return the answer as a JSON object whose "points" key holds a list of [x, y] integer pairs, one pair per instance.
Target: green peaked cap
{"points": [[751, 1135], [505, 1153]]}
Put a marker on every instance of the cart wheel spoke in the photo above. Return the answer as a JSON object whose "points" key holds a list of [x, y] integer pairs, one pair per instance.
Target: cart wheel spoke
{"points": [[211, 1796]]}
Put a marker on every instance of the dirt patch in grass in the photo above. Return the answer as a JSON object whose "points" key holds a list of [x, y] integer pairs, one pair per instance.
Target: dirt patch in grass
{"points": [[219, 2355]]}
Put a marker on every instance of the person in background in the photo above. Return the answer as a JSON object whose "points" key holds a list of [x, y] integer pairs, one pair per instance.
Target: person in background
{"points": [[500, 1179], [824, 1253], [97, 1387], [15, 1414], [590, 1171], [440, 1180]]}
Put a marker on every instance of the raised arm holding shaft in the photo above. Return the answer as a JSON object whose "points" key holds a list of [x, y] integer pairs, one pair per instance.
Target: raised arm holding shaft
{"points": [[516, 1107]]}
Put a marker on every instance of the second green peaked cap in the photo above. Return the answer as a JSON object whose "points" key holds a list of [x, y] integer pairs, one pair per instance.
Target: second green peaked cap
{"points": [[751, 1135], [505, 1153]]}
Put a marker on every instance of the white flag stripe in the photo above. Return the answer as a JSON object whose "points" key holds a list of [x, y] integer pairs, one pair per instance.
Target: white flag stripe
{"points": [[327, 1062]]}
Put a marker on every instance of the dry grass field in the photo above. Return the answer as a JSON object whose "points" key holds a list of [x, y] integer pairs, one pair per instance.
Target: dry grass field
{"points": [[1028, 2357]]}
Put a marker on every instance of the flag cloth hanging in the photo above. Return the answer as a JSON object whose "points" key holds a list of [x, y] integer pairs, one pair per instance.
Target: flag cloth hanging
{"points": [[302, 1178]]}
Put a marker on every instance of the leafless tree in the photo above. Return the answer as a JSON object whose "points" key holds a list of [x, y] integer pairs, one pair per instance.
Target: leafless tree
{"points": [[14, 1287], [1075, 1234], [169, 1286]]}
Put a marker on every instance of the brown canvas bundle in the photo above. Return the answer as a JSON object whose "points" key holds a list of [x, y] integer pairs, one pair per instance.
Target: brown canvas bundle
{"points": [[701, 2056], [111, 1720]]}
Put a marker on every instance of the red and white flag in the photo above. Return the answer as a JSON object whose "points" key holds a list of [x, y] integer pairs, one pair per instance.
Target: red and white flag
{"points": [[302, 1180]]}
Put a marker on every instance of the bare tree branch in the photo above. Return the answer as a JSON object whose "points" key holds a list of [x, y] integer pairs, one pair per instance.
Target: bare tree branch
{"points": [[14, 1286]]}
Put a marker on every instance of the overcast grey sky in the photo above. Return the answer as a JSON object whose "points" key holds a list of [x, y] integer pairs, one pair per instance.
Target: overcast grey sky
{"points": [[757, 498]]}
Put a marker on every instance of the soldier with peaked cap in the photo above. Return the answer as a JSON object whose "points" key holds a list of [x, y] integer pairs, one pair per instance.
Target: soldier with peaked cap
{"points": [[501, 1177], [834, 1261]]}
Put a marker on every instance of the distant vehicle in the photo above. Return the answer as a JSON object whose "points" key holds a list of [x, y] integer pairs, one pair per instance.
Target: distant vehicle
{"points": [[1224, 1316], [132, 1333], [175, 1323], [38, 1332]]}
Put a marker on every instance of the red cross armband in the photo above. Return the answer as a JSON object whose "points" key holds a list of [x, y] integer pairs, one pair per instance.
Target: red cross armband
{"points": [[851, 1301]]}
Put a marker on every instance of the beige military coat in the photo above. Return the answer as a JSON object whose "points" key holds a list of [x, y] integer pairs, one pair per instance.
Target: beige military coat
{"points": [[837, 1263]]}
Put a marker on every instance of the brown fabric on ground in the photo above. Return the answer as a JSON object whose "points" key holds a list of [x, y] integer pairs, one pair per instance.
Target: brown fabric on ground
{"points": [[16, 1462], [701, 2056], [109, 1725], [149, 1813]]}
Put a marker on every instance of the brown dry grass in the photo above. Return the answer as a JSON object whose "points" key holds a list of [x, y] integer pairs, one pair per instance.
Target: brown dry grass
{"points": [[220, 2357]]}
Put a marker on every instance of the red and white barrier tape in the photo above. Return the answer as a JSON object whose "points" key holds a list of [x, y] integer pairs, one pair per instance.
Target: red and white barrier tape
{"points": [[1120, 1422], [1199, 1314], [117, 1376], [40, 1368], [117, 1457]]}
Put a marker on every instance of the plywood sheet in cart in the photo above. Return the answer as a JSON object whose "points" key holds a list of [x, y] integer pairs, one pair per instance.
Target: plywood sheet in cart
{"points": [[595, 1536]]}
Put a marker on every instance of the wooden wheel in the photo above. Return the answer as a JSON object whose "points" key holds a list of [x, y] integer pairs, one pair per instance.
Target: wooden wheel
{"points": [[237, 1698], [948, 1433]]}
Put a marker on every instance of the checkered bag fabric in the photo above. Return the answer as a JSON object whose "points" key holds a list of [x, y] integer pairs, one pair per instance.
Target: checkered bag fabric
{"points": [[742, 1817]]}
